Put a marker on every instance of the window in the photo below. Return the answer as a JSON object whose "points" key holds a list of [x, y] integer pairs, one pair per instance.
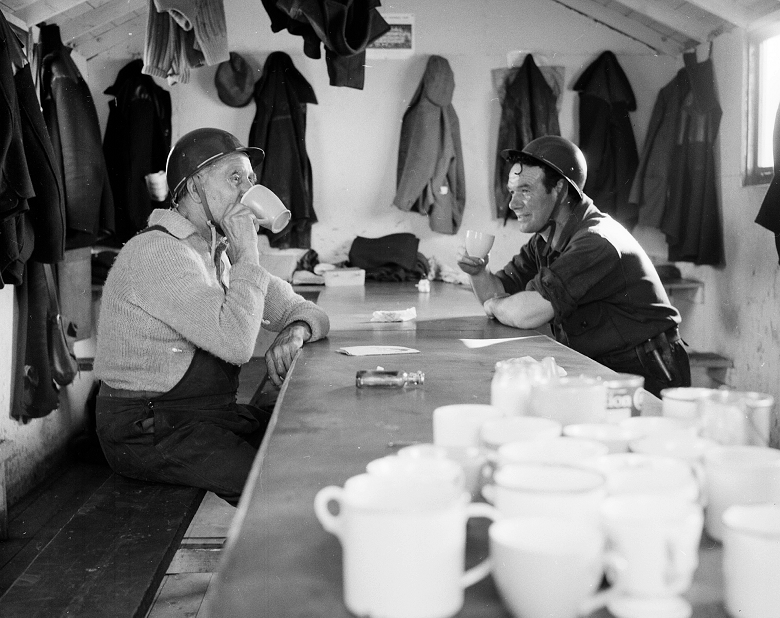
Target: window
{"points": [[763, 101]]}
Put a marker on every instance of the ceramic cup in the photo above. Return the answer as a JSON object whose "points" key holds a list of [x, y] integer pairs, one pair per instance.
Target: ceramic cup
{"points": [[570, 400], [269, 210], [510, 388], [478, 244], [547, 491], [545, 566], [471, 459], [735, 417], [654, 544], [649, 425], [403, 546], [682, 446], [751, 560], [460, 424], [615, 438], [157, 186], [499, 431], [635, 473], [739, 475], [418, 470], [680, 403], [559, 450]]}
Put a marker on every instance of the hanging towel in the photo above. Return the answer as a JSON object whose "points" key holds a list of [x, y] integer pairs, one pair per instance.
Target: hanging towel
{"points": [[769, 214]]}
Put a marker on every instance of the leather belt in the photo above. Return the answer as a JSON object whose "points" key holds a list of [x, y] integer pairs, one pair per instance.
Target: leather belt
{"points": [[667, 337], [121, 393]]}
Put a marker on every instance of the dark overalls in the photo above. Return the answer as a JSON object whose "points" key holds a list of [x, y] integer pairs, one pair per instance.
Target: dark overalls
{"points": [[195, 434]]}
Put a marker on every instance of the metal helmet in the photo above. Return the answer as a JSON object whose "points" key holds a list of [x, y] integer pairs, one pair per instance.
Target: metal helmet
{"points": [[200, 148], [558, 153]]}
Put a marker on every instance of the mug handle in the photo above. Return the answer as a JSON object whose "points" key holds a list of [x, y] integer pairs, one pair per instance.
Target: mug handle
{"points": [[700, 475], [614, 565], [488, 493], [328, 520], [480, 571]]}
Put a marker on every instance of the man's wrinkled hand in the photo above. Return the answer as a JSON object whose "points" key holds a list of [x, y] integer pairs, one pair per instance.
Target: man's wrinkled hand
{"points": [[491, 303], [471, 265], [281, 353]]}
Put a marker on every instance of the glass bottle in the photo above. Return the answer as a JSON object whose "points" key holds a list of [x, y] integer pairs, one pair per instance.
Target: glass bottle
{"points": [[391, 379]]}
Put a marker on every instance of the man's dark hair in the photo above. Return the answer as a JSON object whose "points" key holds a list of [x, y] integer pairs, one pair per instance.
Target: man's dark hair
{"points": [[551, 177]]}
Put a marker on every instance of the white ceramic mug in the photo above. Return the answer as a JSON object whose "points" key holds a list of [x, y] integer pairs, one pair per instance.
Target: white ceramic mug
{"points": [[418, 470], [739, 475], [478, 244], [736, 417], [157, 186], [683, 446], [570, 400], [459, 424], [681, 403], [471, 459], [267, 208], [403, 545], [559, 450], [636, 473], [546, 566], [615, 438], [651, 425], [497, 432], [751, 560], [654, 544], [547, 491], [513, 379]]}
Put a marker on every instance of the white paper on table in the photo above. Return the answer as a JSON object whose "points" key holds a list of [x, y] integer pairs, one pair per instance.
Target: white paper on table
{"points": [[376, 350], [394, 316], [483, 343]]}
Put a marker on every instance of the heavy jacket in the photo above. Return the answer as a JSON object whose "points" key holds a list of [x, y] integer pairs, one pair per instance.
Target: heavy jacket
{"points": [[675, 185], [279, 128], [528, 111], [72, 121], [345, 27], [431, 179], [607, 137], [137, 142], [769, 214]]}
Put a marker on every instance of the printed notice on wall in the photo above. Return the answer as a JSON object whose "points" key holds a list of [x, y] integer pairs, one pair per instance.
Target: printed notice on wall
{"points": [[398, 42]]}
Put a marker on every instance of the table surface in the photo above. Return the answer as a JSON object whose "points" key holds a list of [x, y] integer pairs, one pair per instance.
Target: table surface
{"points": [[278, 560]]}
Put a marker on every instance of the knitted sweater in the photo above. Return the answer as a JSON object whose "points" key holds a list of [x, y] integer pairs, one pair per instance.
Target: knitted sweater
{"points": [[162, 300]]}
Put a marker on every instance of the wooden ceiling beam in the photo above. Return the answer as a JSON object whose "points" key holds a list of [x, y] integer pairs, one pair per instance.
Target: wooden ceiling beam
{"points": [[624, 25], [131, 34], [44, 10], [670, 18], [726, 9], [111, 11]]}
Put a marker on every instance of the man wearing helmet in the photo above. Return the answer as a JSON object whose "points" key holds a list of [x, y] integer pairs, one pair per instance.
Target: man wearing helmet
{"points": [[181, 310], [581, 272]]}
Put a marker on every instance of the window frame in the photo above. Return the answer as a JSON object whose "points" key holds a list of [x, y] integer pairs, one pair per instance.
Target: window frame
{"points": [[753, 174]]}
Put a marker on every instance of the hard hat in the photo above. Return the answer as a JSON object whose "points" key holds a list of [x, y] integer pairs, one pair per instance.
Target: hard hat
{"points": [[558, 153], [200, 148]]}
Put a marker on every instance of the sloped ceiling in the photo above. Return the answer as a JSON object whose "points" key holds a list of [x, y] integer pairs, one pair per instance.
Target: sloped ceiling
{"points": [[665, 26]]}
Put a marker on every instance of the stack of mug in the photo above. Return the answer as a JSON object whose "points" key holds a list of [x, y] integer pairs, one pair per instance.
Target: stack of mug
{"points": [[585, 514]]}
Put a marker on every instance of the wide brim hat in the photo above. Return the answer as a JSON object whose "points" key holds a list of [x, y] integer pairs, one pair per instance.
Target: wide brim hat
{"points": [[235, 81]]}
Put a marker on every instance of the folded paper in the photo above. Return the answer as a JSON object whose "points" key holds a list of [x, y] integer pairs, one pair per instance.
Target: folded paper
{"points": [[375, 350]]}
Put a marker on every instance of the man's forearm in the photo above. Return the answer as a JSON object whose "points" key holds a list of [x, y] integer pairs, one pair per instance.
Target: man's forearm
{"points": [[521, 310], [486, 285]]}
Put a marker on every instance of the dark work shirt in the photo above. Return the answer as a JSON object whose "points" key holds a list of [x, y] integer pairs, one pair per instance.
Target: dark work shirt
{"points": [[604, 289]]}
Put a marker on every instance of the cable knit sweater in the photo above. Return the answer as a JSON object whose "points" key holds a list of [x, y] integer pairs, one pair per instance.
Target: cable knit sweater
{"points": [[162, 300]]}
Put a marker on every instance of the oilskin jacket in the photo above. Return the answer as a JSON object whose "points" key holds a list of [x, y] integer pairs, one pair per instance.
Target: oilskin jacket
{"points": [[279, 128], [137, 142], [431, 179], [607, 137], [72, 121]]}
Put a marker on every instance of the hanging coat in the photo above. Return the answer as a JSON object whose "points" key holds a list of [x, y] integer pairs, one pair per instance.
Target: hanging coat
{"points": [[137, 142], [691, 220], [431, 179], [769, 214], [527, 112], [344, 27], [72, 121], [279, 128], [607, 137]]}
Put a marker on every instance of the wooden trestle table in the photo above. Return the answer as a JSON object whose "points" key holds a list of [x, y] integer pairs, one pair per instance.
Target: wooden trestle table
{"points": [[278, 561]]}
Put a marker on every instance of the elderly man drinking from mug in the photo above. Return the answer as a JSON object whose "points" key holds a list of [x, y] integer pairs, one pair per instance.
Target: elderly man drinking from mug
{"points": [[181, 310]]}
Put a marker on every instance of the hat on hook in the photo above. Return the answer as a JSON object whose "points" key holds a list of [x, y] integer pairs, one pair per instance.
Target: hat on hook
{"points": [[235, 81]]}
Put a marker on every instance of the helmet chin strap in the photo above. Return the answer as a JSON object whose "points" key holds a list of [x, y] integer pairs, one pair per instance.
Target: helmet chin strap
{"points": [[205, 202]]}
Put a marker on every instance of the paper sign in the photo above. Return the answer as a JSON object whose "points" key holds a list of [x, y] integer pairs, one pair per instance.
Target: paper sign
{"points": [[483, 343], [376, 350]]}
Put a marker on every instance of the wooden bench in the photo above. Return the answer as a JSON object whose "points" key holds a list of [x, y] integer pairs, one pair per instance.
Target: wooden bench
{"points": [[713, 364], [94, 544]]}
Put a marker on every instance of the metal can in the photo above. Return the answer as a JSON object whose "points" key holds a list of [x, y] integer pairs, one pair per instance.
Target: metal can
{"points": [[625, 393]]}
